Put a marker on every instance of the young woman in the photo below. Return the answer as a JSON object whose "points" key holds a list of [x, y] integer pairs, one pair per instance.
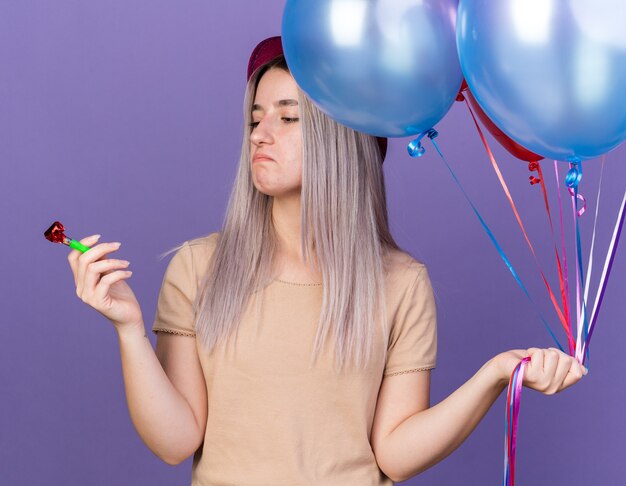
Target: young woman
{"points": [[295, 346]]}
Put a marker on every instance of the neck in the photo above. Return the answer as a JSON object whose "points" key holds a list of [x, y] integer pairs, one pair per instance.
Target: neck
{"points": [[286, 220], [289, 259], [290, 263]]}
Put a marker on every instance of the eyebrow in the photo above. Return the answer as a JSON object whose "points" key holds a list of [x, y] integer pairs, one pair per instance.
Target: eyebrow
{"points": [[278, 103]]}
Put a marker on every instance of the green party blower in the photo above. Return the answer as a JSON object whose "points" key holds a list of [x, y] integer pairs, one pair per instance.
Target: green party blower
{"points": [[55, 234]]}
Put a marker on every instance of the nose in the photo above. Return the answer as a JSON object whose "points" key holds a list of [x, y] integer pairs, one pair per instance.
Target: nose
{"points": [[263, 132]]}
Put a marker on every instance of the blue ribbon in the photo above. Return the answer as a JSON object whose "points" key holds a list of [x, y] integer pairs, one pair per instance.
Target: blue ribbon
{"points": [[415, 149]]}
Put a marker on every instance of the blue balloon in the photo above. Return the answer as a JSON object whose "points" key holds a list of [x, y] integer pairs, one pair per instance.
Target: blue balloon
{"points": [[384, 67], [551, 74]]}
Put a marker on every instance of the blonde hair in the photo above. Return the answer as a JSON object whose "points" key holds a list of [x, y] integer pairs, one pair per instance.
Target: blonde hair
{"points": [[344, 229]]}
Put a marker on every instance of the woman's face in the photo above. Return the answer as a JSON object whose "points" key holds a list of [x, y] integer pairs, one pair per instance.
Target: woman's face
{"points": [[275, 138]]}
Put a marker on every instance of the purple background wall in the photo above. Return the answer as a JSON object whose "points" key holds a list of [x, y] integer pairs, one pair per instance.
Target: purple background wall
{"points": [[124, 118]]}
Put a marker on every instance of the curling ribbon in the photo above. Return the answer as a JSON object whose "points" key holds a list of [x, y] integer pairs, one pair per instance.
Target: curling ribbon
{"points": [[513, 398], [494, 164], [534, 167], [415, 149]]}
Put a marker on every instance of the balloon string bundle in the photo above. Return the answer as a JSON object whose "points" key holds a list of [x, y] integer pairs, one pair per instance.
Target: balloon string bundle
{"points": [[572, 180], [580, 347], [560, 312]]}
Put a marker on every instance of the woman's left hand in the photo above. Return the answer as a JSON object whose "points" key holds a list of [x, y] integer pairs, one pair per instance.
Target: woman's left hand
{"points": [[549, 370]]}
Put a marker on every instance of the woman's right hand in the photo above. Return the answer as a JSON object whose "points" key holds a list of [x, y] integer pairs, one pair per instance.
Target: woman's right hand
{"points": [[100, 283]]}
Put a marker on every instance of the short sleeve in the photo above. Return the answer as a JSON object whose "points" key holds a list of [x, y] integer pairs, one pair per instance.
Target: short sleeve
{"points": [[413, 337], [174, 312]]}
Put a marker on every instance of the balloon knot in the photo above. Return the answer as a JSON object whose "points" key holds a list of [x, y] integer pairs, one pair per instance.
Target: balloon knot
{"points": [[574, 175], [432, 133], [533, 166], [460, 96]]}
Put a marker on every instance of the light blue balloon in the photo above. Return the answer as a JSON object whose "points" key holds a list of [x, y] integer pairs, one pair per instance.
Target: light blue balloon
{"points": [[384, 67], [551, 74]]}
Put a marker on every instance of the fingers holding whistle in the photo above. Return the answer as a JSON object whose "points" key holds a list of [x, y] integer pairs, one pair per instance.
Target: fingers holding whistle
{"points": [[94, 267]]}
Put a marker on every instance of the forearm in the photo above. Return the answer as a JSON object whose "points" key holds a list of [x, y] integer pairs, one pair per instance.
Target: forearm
{"points": [[162, 417], [427, 437]]}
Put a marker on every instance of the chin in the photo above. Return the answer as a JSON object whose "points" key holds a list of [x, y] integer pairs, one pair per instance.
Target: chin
{"points": [[268, 191], [278, 192]]}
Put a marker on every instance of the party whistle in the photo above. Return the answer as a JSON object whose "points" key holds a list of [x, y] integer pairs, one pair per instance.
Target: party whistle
{"points": [[55, 234]]}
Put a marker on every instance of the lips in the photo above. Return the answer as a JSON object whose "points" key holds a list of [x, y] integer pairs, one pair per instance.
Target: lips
{"points": [[259, 157]]}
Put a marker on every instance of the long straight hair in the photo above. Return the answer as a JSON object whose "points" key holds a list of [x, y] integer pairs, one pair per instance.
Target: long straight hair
{"points": [[344, 230]]}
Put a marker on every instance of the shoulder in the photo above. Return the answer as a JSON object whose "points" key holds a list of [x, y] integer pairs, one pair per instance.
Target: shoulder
{"points": [[192, 256], [204, 244], [401, 268], [407, 280], [201, 250]]}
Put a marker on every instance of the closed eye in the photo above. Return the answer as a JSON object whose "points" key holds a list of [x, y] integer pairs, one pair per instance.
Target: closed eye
{"points": [[285, 119]]}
